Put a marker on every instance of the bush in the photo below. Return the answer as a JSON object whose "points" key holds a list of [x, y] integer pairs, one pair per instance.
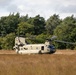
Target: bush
{"points": [[8, 41]]}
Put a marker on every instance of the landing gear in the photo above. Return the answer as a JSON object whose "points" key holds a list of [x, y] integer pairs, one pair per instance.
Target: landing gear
{"points": [[53, 51], [40, 52]]}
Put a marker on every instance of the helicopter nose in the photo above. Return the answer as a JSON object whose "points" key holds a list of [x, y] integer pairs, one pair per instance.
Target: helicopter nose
{"points": [[52, 49]]}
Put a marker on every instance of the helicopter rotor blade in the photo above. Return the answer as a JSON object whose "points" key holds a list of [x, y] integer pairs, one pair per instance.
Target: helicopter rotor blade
{"points": [[65, 42], [52, 38]]}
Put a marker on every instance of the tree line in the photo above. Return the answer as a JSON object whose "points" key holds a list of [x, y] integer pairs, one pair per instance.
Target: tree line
{"points": [[37, 29]]}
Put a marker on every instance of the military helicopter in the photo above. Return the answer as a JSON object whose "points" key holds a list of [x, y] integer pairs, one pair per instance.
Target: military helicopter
{"points": [[22, 47]]}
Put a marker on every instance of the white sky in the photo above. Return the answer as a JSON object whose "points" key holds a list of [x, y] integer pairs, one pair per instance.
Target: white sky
{"points": [[45, 8]]}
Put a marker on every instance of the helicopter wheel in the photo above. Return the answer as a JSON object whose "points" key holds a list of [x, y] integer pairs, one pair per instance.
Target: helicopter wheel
{"points": [[53, 52], [17, 52]]}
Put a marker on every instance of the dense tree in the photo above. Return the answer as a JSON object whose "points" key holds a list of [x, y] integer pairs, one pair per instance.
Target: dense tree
{"points": [[24, 28], [2, 26], [37, 28], [39, 25], [23, 18], [1, 39], [52, 23], [7, 42], [66, 31], [41, 38], [9, 24]]}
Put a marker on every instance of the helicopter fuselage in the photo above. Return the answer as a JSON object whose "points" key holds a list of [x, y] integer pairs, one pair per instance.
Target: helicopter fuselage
{"points": [[33, 48]]}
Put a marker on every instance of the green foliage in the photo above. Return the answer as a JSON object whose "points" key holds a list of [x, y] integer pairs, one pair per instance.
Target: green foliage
{"points": [[23, 18], [37, 39], [66, 31], [41, 38], [7, 42], [37, 28], [1, 39], [39, 25], [9, 24], [24, 28], [73, 35], [52, 23]]}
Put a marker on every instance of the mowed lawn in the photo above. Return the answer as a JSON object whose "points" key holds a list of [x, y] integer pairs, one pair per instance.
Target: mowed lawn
{"points": [[35, 64]]}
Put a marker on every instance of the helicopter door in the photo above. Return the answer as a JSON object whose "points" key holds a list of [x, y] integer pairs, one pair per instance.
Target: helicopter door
{"points": [[42, 47]]}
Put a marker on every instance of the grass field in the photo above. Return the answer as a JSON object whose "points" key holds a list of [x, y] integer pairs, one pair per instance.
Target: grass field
{"points": [[35, 64]]}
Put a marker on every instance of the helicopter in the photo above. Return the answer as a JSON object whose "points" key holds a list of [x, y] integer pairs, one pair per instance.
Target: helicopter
{"points": [[22, 47]]}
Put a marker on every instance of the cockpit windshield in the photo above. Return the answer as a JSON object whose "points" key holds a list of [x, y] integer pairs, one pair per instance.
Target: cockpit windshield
{"points": [[51, 46]]}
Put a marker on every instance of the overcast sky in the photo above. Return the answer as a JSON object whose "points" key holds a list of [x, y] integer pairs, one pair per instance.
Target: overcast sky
{"points": [[45, 8]]}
